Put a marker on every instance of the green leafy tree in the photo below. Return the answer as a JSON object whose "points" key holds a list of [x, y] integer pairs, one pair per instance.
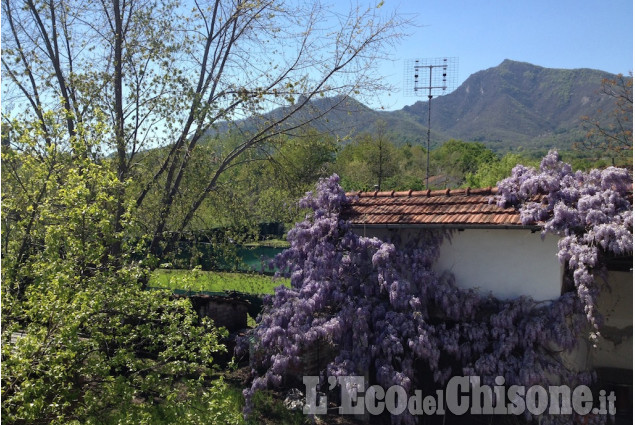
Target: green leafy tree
{"points": [[490, 173], [366, 163], [96, 190], [455, 158], [302, 160], [267, 183], [293, 167], [82, 342], [380, 154]]}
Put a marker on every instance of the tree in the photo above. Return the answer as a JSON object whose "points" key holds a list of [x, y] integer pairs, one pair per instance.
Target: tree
{"points": [[303, 160], [455, 158], [294, 165], [370, 160], [111, 103], [489, 174], [380, 154], [166, 73], [616, 138], [266, 187], [82, 342]]}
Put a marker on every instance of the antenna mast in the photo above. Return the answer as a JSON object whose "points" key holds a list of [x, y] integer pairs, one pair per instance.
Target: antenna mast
{"points": [[441, 78]]}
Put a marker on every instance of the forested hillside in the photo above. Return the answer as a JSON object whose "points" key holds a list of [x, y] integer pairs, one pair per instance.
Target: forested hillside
{"points": [[519, 104], [510, 106]]}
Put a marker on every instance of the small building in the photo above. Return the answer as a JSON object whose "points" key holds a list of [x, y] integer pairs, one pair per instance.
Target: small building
{"points": [[491, 250]]}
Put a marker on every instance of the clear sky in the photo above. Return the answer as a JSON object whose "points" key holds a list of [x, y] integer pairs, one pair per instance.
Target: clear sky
{"points": [[482, 33]]}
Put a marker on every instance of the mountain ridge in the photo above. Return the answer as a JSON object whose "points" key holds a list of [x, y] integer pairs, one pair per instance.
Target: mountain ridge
{"points": [[521, 104], [515, 105]]}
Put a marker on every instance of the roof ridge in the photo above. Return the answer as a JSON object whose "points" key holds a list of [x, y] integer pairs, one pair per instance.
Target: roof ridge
{"points": [[445, 207], [426, 193]]}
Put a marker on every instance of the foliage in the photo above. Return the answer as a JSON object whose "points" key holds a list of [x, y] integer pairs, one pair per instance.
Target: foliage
{"points": [[361, 163], [81, 340], [456, 158], [301, 160], [220, 403], [270, 186], [100, 350], [614, 139], [88, 208], [490, 173], [590, 211], [386, 313], [268, 409], [380, 154], [262, 188], [369, 160]]}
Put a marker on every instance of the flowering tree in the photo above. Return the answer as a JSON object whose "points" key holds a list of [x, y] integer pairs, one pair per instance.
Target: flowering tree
{"points": [[387, 313]]}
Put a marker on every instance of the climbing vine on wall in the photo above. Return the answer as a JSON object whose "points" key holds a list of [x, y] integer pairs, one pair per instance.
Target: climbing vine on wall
{"points": [[386, 313], [591, 211]]}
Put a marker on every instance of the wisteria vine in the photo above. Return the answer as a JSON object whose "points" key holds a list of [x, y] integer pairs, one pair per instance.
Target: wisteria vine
{"points": [[386, 313], [591, 211]]}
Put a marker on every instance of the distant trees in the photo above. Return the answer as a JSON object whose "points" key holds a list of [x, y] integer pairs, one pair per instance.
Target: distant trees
{"points": [[380, 154], [373, 160], [370, 159], [456, 158], [616, 138], [488, 174], [267, 187], [453, 164], [269, 181]]}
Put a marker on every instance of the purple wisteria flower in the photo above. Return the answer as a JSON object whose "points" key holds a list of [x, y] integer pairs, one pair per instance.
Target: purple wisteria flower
{"points": [[384, 312]]}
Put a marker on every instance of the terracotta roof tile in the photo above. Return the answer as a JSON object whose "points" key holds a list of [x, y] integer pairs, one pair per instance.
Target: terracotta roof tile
{"points": [[443, 207]]}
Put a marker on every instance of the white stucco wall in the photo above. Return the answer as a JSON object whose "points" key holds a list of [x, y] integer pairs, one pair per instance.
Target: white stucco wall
{"points": [[507, 262], [515, 262]]}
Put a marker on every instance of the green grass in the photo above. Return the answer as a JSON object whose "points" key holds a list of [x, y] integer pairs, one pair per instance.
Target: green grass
{"points": [[196, 280], [273, 243]]}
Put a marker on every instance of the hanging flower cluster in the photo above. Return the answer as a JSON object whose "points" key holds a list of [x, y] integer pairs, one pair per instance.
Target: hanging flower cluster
{"points": [[591, 211], [387, 314]]}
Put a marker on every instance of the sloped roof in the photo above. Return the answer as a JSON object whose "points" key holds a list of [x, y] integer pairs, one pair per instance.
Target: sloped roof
{"points": [[443, 208]]}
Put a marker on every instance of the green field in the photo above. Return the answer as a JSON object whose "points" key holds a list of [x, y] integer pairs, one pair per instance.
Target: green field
{"points": [[196, 281], [271, 243]]}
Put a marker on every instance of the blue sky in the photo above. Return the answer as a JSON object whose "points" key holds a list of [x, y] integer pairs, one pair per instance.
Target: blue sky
{"points": [[482, 33]]}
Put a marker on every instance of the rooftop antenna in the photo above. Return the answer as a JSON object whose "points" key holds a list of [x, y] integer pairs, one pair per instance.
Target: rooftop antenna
{"points": [[436, 76]]}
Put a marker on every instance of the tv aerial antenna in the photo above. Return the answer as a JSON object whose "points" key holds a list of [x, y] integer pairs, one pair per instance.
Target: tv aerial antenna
{"points": [[431, 77]]}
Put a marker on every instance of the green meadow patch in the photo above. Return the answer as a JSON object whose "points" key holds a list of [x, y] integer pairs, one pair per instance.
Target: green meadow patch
{"points": [[204, 281]]}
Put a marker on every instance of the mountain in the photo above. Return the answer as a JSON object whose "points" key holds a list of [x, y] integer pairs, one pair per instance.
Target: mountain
{"points": [[340, 116], [512, 105], [519, 104]]}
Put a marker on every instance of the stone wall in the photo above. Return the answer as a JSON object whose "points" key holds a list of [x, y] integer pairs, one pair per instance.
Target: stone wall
{"points": [[227, 311]]}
